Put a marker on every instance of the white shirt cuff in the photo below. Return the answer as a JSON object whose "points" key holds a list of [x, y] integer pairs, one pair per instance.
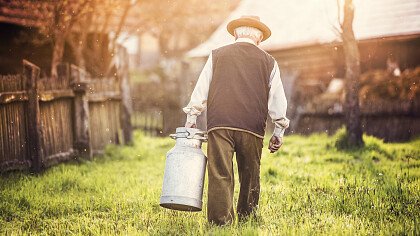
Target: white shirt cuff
{"points": [[278, 132], [192, 119]]}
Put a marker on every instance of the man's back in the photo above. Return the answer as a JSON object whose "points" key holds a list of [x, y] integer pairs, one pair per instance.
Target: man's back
{"points": [[238, 86], [238, 93]]}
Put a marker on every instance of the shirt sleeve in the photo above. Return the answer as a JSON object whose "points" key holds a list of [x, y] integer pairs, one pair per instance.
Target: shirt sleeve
{"points": [[277, 103], [198, 101]]}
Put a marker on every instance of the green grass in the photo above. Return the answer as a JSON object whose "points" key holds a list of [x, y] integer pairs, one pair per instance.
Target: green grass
{"points": [[309, 187]]}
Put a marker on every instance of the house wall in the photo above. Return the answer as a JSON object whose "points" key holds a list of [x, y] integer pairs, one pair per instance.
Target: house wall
{"points": [[313, 67], [18, 43], [307, 71]]}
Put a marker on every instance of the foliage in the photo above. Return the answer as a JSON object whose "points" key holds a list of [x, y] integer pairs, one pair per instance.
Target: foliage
{"points": [[93, 28], [308, 187], [380, 85], [380, 92], [94, 39], [373, 145], [181, 25], [58, 19], [341, 139], [90, 27]]}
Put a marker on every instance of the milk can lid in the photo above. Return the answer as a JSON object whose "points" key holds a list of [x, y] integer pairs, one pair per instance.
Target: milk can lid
{"points": [[189, 133]]}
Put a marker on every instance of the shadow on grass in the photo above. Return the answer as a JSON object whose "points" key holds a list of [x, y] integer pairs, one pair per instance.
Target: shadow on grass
{"points": [[374, 148]]}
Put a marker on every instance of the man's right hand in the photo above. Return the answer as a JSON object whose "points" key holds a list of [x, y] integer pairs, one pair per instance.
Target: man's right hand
{"points": [[190, 125], [275, 144]]}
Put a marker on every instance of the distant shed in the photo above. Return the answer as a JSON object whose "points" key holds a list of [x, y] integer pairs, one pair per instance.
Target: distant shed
{"points": [[309, 52]]}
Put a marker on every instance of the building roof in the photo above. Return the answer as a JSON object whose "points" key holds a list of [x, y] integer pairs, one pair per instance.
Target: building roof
{"points": [[312, 22], [36, 13]]}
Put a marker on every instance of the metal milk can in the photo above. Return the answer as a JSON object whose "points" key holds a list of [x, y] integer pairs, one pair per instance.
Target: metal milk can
{"points": [[185, 169]]}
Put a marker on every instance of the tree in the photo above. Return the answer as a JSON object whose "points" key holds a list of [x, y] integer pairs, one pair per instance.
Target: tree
{"points": [[90, 27], [60, 17], [94, 40], [93, 28], [179, 28], [352, 61]]}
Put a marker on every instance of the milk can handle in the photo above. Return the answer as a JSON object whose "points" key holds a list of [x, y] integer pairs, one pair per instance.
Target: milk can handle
{"points": [[190, 135]]}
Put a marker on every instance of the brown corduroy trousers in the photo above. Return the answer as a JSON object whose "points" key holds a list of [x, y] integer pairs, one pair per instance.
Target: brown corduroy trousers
{"points": [[222, 143]]}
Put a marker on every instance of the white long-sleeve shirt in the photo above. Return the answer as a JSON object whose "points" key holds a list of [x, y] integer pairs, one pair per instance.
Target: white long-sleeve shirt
{"points": [[277, 103]]}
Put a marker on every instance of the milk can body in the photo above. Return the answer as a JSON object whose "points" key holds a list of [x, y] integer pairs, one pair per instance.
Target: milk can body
{"points": [[185, 169]]}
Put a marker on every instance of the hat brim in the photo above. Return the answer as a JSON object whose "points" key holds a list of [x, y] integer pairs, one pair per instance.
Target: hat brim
{"points": [[251, 23]]}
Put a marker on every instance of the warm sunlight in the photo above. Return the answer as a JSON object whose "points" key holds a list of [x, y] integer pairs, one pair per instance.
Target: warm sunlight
{"points": [[222, 117]]}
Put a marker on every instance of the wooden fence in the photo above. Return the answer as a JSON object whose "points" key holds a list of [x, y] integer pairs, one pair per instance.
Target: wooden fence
{"points": [[44, 121], [156, 107], [150, 121]]}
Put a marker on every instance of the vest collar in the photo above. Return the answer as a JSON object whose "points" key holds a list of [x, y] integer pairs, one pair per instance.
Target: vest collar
{"points": [[245, 40]]}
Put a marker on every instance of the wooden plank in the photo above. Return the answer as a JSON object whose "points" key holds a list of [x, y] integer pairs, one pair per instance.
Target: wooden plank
{"points": [[45, 115], [81, 117], [101, 124], [1, 83], [6, 134], [9, 131], [31, 72], [12, 125], [8, 97], [2, 135], [45, 140], [63, 71], [126, 103], [94, 125], [22, 132], [67, 125], [14, 165], [50, 95], [104, 96], [53, 126], [60, 157]]}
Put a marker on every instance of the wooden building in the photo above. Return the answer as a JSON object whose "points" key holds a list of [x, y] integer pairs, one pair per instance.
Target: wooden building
{"points": [[306, 44], [27, 31], [45, 120]]}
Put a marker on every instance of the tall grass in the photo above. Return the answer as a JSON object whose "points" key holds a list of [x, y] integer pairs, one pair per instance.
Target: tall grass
{"points": [[309, 187]]}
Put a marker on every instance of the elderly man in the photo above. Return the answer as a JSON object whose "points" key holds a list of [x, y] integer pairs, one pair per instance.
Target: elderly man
{"points": [[239, 85]]}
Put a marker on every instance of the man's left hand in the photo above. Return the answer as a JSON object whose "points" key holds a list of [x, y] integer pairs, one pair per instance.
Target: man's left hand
{"points": [[275, 144], [190, 125]]}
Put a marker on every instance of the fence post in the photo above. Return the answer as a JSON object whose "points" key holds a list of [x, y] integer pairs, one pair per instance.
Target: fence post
{"points": [[63, 74], [81, 113], [126, 103], [36, 152]]}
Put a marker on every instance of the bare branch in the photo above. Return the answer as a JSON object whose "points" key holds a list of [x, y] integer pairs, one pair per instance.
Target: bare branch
{"points": [[339, 14], [120, 25]]}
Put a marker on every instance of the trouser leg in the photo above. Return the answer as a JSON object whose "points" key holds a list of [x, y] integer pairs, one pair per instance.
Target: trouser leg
{"points": [[220, 175], [248, 155]]}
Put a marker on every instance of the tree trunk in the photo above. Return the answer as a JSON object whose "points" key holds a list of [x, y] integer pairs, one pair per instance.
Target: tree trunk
{"points": [[352, 58], [126, 102], [57, 54], [77, 42], [78, 54]]}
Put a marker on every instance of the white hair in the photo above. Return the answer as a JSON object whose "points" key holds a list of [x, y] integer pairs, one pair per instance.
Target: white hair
{"points": [[248, 32]]}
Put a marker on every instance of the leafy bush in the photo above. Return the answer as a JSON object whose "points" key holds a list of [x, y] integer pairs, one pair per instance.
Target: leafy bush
{"points": [[341, 140]]}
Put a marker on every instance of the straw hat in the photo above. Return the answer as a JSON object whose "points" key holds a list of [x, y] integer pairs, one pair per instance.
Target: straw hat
{"points": [[251, 21]]}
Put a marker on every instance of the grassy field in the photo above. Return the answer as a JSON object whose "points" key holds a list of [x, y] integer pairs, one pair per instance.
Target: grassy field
{"points": [[308, 187]]}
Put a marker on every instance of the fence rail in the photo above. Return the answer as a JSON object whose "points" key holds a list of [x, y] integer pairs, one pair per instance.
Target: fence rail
{"points": [[149, 121], [44, 121], [156, 107]]}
